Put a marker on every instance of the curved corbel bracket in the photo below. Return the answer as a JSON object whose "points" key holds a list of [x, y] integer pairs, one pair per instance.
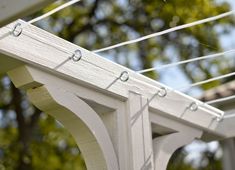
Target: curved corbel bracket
{"points": [[166, 145], [81, 121]]}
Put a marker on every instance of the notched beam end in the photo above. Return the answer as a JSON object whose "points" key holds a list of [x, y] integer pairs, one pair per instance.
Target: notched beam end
{"points": [[22, 78]]}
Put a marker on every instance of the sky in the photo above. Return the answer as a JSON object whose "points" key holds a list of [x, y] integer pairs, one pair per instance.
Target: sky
{"points": [[180, 79]]}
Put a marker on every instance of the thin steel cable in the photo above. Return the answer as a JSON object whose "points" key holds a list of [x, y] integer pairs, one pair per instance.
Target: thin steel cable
{"points": [[221, 100], [166, 31], [186, 61], [65, 50], [59, 8], [229, 116], [207, 81]]}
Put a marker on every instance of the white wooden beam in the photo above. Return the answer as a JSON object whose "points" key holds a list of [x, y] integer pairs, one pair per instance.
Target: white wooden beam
{"points": [[47, 52], [11, 10]]}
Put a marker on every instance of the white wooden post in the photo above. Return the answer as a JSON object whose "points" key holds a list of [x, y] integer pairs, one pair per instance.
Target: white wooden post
{"points": [[141, 133], [228, 158]]}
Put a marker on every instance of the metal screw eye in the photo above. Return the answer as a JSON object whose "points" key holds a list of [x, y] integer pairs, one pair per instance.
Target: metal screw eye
{"points": [[193, 106], [17, 30], [77, 55], [219, 119], [162, 92], [124, 76]]}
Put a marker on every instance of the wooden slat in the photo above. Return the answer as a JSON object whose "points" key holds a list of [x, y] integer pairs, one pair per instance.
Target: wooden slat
{"points": [[11, 10], [46, 51]]}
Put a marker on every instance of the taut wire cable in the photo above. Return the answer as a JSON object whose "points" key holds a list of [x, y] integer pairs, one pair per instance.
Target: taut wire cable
{"points": [[186, 61], [221, 100], [165, 31], [18, 28], [206, 81], [59, 8]]}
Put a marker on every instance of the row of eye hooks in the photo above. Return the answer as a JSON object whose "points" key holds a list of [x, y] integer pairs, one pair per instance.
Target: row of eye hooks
{"points": [[124, 76]]}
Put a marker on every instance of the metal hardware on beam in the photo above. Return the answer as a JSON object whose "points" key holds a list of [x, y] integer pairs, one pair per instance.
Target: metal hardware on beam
{"points": [[162, 92], [77, 55], [193, 106], [17, 30], [124, 76]]}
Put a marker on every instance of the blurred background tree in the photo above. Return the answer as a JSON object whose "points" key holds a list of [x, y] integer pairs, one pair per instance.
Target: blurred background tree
{"points": [[32, 140]]}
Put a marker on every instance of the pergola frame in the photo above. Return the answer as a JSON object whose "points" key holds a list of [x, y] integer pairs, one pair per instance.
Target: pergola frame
{"points": [[120, 120]]}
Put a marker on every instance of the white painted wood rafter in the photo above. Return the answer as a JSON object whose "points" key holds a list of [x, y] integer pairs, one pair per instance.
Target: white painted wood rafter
{"points": [[48, 51]]}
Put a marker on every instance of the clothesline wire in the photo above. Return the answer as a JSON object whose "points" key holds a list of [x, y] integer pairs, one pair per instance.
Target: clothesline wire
{"points": [[166, 31], [221, 100], [186, 61], [59, 8], [65, 5], [229, 116], [192, 85], [206, 81]]}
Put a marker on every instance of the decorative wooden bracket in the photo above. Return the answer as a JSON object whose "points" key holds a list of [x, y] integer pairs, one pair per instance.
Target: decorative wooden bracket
{"points": [[76, 115], [111, 134], [166, 145], [81, 121]]}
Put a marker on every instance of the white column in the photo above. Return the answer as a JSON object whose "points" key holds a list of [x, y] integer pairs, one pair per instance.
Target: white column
{"points": [[228, 154], [140, 131]]}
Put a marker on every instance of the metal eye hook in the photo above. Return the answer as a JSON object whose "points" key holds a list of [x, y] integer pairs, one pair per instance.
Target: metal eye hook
{"points": [[77, 55], [219, 118], [124, 76], [17, 30], [162, 92], [193, 106]]}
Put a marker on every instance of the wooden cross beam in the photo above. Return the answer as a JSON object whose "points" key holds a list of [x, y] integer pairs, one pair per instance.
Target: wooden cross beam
{"points": [[11, 10], [120, 119]]}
